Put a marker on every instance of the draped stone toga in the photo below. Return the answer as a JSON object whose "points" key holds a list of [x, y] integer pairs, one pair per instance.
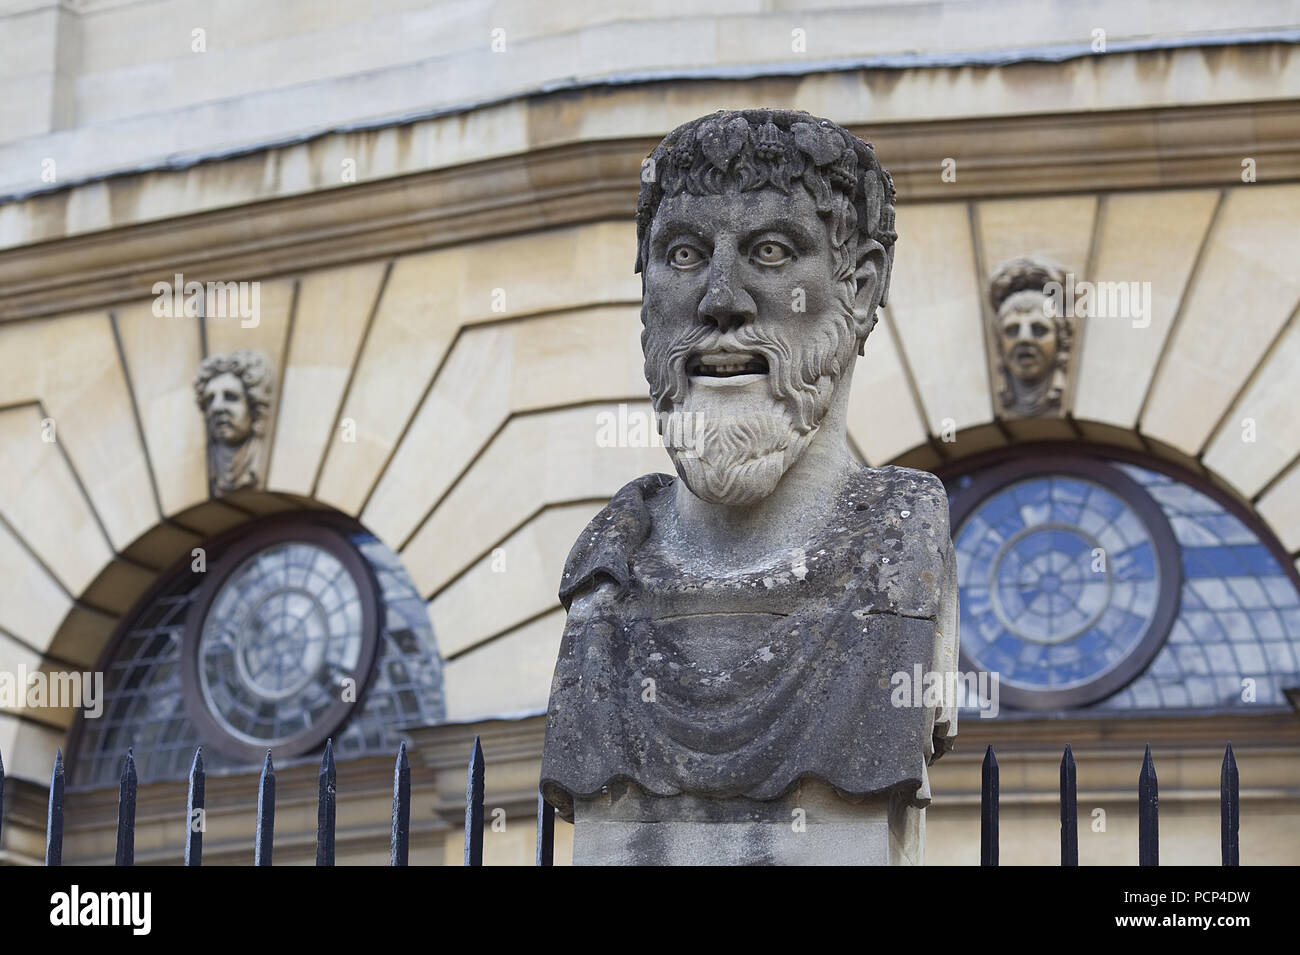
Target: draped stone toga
{"points": [[743, 685]]}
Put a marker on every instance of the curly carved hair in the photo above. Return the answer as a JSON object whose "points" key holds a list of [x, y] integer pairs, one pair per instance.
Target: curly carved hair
{"points": [[250, 367], [1026, 274], [742, 150], [1021, 274]]}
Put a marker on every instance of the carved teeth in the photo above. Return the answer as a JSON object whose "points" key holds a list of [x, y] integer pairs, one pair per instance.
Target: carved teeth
{"points": [[726, 365]]}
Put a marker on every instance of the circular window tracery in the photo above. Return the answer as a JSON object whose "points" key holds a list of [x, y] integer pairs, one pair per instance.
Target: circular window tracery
{"points": [[150, 707], [1069, 576], [280, 642]]}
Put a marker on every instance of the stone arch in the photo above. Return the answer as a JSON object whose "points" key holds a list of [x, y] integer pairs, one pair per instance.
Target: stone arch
{"points": [[1179, 381], [126, 477], [151, 699]]}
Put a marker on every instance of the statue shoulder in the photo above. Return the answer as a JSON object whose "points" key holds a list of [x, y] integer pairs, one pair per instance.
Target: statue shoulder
{"points": [[607, 542], [902, 530], [920, 493]]}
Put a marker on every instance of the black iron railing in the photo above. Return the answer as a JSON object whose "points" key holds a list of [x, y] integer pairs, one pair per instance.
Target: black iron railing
{"points": [[474, 806], [1148, 810], [264, 839], [399, 845], [1069, 811]]}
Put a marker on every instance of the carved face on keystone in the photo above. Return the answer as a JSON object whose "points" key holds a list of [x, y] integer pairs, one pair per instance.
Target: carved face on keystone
{"points": [[745, 320], [1027, 335], [225, 406]]}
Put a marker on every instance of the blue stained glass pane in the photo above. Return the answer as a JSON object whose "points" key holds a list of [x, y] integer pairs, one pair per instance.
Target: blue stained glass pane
{"points": [[1267, 624], [1280, 592], [1000, 510], [1280, 656], [1229, 561]]}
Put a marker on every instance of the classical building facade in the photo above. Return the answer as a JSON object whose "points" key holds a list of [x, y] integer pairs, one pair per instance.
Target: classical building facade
{"points": [[319, 335]]}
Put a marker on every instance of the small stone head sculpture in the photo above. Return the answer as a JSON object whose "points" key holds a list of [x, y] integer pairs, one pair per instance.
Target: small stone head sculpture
{"points": [[1032, 333], [764, 240], [234, 393]]}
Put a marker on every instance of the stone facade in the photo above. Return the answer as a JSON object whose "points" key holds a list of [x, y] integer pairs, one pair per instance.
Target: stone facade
{"points": [[405, 312]]}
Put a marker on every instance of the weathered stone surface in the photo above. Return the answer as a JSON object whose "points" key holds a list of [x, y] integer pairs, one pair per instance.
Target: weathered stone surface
{"points": [[742, 684], [1033, 335], [734, 633], [234, 393], [810, 825]]}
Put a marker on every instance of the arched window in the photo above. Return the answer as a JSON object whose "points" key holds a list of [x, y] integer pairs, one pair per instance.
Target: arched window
{"points": [[1106, 582], [280, 634]]}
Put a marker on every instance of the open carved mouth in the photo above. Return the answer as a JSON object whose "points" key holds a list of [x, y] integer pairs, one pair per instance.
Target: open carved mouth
{"points": [[726, 365]]}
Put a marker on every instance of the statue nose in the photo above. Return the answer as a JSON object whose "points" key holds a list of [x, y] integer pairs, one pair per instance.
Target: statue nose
{"points": [[725, 321], [726, 305]]}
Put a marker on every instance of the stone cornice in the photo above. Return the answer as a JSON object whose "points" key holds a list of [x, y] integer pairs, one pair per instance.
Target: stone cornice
{"points": [[593, 180]]}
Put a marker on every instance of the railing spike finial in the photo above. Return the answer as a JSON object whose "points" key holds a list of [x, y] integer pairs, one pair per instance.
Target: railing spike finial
{"points": [[265, 836], [1230, 808], [326, 798], [54, 816], [195, 818], [989, 808], [126, 793], [545, 832], [474, 806], [1148, 812], [1069, 810], [399, 845]]}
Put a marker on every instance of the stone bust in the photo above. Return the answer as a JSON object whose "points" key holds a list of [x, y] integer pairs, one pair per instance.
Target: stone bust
{"points": [[732, 632], [234, 393], [1033, 336]]}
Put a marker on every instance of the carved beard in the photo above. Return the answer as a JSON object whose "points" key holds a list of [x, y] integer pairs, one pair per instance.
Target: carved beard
{"points": [[730, 445]]}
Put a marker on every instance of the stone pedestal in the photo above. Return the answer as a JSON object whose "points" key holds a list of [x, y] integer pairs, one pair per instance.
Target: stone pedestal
{"points": [[810, 825]]}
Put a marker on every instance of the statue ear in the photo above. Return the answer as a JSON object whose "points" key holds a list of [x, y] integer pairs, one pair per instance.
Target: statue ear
{"points": [[872, 278], [889, 273]]}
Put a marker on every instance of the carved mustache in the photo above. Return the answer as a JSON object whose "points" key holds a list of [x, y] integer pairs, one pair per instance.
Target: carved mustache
{"points": [[706, 339], [789, 383]]}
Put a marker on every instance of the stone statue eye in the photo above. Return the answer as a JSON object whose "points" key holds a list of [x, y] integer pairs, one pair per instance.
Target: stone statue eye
{"points": [[1012, 331], [771, 252], [1039, 329], [685, 257]]}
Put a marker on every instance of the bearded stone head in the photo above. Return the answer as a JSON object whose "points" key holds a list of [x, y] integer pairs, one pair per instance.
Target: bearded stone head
{"points": [[765, 241]]}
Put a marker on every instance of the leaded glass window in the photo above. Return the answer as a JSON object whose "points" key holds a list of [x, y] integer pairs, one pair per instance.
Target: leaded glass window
{"points": [[255, 652], [1088, 583]]}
